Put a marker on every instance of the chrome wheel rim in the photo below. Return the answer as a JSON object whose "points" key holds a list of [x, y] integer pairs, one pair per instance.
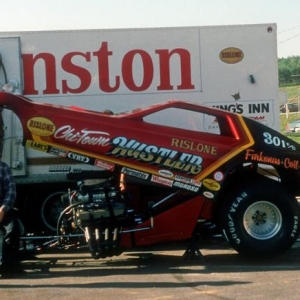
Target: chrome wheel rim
{"points": [[262, 220]]}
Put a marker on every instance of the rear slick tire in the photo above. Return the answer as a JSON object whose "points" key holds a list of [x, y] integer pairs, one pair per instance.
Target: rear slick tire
{"points": [[260, 220]]}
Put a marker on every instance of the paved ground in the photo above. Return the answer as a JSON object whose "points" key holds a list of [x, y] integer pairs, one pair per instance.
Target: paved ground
{"points": [[157, 275]]}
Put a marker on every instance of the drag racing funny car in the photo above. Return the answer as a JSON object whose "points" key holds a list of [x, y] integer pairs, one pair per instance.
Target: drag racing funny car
{"points": [[182, 163]]}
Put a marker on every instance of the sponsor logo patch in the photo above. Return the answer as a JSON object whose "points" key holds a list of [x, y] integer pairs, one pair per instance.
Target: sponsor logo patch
{"points": [[161, 180], [211, 184], [231, 55], [36, 146], [104, 165], [41, 126], [78, 157]]}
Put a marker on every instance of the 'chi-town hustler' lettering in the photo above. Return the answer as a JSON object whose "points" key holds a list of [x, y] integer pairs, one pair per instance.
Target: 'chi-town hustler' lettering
{"points": [[83, 137], [178, 161]]}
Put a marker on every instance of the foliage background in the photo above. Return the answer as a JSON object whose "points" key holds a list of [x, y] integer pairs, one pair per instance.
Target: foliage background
{"points": [[289, 71], [289, 82]]}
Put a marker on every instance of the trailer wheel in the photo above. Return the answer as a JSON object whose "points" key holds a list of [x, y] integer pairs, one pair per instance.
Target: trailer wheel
{"points": [[261, 219], [52, 206]]}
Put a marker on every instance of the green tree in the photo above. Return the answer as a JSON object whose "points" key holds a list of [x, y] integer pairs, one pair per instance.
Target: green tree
{"points": [[289, 71]]}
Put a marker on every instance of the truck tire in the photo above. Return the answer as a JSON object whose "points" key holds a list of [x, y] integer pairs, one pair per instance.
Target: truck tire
{"points": [[51, 208], [261, 219]]}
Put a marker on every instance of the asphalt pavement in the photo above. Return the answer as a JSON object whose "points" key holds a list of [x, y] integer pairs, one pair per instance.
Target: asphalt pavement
{"points": [[157, 274]]}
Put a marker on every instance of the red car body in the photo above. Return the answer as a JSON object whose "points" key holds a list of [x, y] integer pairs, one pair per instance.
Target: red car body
{"points": [[207, 161]]}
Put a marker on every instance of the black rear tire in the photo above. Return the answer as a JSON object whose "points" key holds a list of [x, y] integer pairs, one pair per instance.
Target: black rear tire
{"points": [[260, 219]]}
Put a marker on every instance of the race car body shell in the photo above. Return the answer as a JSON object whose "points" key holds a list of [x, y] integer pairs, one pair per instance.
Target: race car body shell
{"points": [[190, 151]]}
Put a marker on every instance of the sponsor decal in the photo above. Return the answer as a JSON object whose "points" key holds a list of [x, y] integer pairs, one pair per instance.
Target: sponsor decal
{"points": [[154, 155], [187, 180], [276, 141], [36, 146], [58, 152], [166, 173], [135, 173], [291, 163], [105, 165], [231, 55], [161, 180], [218, 176], [260, 157], [78, 157], [82, 137], [193, 146], [211, 184], [208, 195], [60, 169], [41, 126], [186, 186]]}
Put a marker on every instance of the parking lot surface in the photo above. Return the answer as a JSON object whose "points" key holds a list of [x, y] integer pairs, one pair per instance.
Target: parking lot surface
{"points": [[157, 274]]}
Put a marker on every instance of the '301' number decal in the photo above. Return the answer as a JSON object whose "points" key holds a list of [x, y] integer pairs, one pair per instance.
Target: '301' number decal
{"points": [[276, 141]]}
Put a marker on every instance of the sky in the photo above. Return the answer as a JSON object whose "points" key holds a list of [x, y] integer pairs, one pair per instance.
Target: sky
{"points": [[32, 15]]}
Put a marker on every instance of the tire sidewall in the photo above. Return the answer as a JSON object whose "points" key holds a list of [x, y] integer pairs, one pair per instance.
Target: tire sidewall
{"points": [[232, 223], [51, 204]]}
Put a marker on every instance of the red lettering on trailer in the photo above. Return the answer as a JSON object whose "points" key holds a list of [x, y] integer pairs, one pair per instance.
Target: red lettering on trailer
{"points": [[127, 70], [50, 73], [103, 69], [186, 72], [83, 74], [107, 82]]}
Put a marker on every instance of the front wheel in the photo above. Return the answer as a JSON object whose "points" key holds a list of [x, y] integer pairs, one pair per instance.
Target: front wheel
{"points": [[261, 219]]}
